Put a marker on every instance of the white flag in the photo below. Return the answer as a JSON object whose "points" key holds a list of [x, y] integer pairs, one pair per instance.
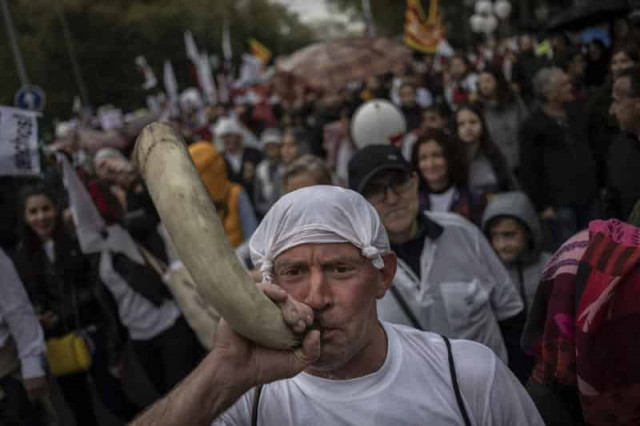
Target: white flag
{"points": [[150, 80], [251, 69], [18, 142], [368, 18], [226, 42], [171, 86], [192, 49], [205, 77]]}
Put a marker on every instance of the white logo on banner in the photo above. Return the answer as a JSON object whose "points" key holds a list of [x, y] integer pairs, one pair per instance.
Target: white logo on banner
{"points": [[18, 142]]}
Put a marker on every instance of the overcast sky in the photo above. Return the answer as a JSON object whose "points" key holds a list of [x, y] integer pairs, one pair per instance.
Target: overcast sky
{"points": [[308, 9]]}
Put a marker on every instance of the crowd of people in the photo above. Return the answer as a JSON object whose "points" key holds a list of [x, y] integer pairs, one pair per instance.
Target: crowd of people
{"points": [[507, 153]]}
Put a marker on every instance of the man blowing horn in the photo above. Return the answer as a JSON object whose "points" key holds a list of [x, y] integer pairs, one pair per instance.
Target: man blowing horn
{"points": [[325, 260]]}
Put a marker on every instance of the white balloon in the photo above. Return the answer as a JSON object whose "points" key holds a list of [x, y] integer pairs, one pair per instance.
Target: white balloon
{"points": [[477, 23], [483, 7], [377, 122], [502, 9], [490, 24]]}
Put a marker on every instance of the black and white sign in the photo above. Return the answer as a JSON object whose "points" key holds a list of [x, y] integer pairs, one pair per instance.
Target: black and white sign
{"points": [[18, 142]]}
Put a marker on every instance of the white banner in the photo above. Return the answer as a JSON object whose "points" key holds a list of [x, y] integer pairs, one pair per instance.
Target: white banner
{"points": [[18, 142]]}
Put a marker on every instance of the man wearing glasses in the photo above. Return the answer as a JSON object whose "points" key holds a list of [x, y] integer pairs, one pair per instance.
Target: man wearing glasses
{"points": [[449, 280]]}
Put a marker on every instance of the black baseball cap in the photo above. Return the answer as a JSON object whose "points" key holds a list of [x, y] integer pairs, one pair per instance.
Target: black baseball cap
{"points": [[371, 160]]}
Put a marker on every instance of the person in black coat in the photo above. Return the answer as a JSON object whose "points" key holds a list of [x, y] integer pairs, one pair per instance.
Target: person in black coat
{"points": [[63, 286], [241, 161], [557, 168], [623, 183]]}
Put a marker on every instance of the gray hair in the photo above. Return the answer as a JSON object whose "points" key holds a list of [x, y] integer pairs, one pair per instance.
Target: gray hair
{"points": [[308, 164], [542, 81]]}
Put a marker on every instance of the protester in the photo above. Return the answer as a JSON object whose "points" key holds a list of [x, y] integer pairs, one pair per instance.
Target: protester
{"points": [[290, 149], [511, 225], [125, 200], [623, 184], [269, 171], [597, 66], [488, 168], [449, 280], [557, 170], [230, 199], [63, 288], [603, 128], [460, 83], [443, 176], [241, 161], [23, 380], [587, 298], [355, 369], [504, 113], [409, 106], [307, 170], [436, 117], [525, 68]]}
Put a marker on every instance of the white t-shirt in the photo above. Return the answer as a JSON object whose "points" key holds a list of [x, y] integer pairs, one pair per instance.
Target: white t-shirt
{"points": [[442, 202], [413, 387]]}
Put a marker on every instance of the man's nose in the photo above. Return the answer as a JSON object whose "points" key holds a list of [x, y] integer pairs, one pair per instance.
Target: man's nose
{"points": [[390, 195], [319, 296]]}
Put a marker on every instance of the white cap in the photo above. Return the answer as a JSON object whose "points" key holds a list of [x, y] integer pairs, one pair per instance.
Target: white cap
{"points": [[318, 215], [227, 126], [378, 122], [271, 136]]}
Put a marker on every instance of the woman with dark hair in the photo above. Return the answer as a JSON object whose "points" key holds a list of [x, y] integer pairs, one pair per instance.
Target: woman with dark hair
{"points": [[488, 169], [504, 113], [443, 174], [64, 289], [597, 63]]}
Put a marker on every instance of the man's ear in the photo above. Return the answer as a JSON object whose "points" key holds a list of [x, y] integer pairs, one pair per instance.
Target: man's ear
{"points": [[388, 272]]}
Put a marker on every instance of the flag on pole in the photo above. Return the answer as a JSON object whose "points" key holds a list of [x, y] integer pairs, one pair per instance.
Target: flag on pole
{"points": [[423, 32], [190, 45], [226, 42], [368, 18], [205, 78], [171, 86], [260, 51]]}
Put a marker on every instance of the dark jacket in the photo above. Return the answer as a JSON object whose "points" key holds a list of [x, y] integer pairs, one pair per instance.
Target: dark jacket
{"points": [[70, 289], [556, 163], [464, 203], [623, 183], [250, 157], [603, 129]]}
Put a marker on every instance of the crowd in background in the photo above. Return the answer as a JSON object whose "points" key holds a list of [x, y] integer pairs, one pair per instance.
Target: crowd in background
{"points": [[528, 142]]}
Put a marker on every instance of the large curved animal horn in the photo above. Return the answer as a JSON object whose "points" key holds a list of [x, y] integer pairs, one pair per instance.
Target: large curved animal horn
{"points": [[190, 218]]}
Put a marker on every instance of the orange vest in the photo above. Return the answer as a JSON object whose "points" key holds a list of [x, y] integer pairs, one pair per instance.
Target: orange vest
{"points": [[231, 218], [224, 194]]}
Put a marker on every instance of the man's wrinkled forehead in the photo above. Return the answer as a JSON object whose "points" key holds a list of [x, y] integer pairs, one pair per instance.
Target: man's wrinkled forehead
{"points": [[324, 252]]}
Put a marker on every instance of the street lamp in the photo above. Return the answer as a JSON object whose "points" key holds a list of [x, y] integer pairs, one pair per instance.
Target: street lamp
{"points": [[487, 15]]}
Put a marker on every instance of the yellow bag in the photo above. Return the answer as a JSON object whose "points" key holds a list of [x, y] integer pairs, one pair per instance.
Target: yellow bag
{"points": [[68, 354]]}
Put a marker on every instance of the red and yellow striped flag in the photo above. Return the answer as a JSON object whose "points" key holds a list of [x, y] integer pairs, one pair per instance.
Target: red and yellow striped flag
{"points": [[260, 51], [421, 32]]}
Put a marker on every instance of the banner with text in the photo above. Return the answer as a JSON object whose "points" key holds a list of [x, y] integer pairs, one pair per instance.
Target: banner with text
{"points": [[18, 142]]}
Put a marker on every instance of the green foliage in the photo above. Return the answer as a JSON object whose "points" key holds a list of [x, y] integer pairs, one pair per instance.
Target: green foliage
{"points": [[109, 34]]}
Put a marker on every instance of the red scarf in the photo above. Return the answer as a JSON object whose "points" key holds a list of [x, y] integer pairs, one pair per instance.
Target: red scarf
{"points": [[585, 322]]}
